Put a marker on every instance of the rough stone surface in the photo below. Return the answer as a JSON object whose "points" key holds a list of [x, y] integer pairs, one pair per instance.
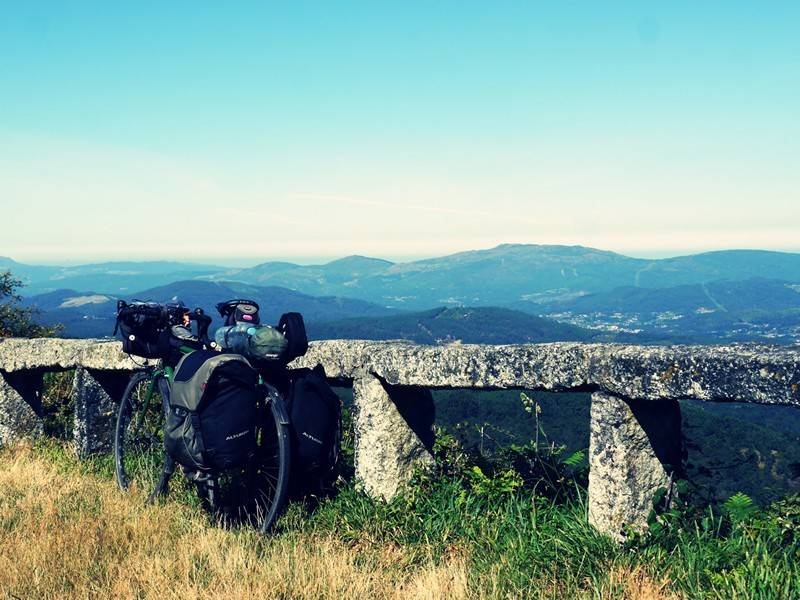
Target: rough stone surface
{"points": [[634, 449], [18, 397], [738, 373], [741, 373], [18, 354], [96, 395], [387, 446], [342, 359]]}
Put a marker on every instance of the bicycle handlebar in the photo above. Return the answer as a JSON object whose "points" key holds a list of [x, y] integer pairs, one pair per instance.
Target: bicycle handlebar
{"points": [[203, 323]]}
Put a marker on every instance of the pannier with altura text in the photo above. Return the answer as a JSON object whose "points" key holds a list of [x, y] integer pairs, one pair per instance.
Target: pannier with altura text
{"points": [[213, 411], [315, 412]]}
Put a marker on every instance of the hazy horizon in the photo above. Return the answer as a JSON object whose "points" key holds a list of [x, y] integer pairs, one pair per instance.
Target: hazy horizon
{"points": [[245, 262]]}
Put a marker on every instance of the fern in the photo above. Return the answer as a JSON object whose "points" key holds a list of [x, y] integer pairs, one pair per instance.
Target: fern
{"points": [[739, 507], [575, 459]]}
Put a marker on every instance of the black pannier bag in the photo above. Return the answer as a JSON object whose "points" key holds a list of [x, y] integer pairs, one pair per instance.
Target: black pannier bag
{"points": [[213, 412], [291, 325], [315, 413]]}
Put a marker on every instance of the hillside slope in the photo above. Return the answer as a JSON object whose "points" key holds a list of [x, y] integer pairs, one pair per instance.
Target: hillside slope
{"points": [[483, 325], [92, 315]]}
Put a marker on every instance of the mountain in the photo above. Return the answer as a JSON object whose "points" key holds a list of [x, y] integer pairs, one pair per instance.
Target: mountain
{"points": [[513, 273], [273, 300], [107, 278], [335, 277], [483, 325], [720, 265], [481, 277], [733, 295], [756, 309], [92, 315], [82, 314], [500, 276], [748, 296], [27, 273]]}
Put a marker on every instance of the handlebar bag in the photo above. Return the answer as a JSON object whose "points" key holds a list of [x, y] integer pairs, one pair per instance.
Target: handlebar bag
{"points": [[144, 328], [213, 413]]}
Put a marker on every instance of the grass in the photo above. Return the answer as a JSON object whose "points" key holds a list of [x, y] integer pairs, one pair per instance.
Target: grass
{"points": [[66, 531]]}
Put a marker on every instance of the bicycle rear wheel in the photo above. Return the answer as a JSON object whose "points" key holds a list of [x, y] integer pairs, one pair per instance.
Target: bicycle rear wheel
{"points": [[256, 494], [139, 439]]}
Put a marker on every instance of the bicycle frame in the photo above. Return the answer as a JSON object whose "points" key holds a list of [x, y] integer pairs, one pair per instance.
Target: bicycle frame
{"points": [[165, 371]]}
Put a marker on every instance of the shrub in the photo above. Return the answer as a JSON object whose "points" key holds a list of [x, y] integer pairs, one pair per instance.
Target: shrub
{"points": [[17, 320]]}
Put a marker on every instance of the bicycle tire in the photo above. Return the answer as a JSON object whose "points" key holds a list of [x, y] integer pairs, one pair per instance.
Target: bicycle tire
{"points": [[256, 494], [139, 436], [280, 422]]}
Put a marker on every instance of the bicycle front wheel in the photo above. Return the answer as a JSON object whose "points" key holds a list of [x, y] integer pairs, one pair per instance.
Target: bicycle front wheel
{"points": [[139, 439]]}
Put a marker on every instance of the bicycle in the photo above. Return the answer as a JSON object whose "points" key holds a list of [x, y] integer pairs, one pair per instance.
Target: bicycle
{"points": [[253, 495]]}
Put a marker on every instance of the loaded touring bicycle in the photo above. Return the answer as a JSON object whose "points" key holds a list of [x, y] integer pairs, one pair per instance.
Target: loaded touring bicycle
{"points": [[213, 410]]}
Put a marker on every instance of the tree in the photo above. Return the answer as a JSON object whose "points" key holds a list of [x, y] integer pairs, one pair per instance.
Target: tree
{"points": [[17, 320]]}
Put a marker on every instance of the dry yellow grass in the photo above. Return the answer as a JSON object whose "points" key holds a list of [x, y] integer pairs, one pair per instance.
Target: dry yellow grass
{"points": [[69, 536], [64, 535], [636, 584]]}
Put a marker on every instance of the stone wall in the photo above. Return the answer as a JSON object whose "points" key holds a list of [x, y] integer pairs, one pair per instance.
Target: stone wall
{"points": [[635, 437]]}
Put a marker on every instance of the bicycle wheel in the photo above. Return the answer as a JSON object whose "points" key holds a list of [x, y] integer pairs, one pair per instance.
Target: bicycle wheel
{"points": [[139, 439], [256, 494]]}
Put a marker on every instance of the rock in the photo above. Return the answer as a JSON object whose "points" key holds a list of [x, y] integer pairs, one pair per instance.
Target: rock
{"points": [[54, 354], [96, 395], [741, 373], [634, 449], [18, 396], [388, 447]]}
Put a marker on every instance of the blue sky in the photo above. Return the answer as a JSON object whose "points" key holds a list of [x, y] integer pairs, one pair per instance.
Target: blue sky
{"points": [[277, 130]]}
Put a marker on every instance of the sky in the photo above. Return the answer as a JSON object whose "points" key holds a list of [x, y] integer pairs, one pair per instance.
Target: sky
{"points": [[269, 130]]}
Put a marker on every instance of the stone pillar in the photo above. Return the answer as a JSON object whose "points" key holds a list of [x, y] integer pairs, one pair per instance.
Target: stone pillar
{"points": [[20, 406], [393, 433], [634, 449], [96, 395]]}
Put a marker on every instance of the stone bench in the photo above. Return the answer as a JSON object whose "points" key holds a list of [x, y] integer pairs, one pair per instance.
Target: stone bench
{"points": [[635, 430]]}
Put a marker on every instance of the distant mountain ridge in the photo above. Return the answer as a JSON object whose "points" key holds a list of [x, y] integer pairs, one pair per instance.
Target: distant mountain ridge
{"points": [[493, 277], [107, 277], [730, 295], [528, 273]]}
